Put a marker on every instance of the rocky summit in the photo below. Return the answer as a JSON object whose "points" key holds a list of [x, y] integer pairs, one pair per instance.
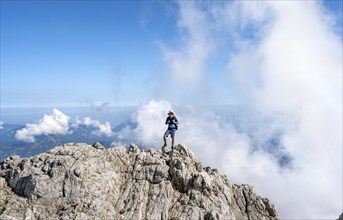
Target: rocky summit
{"points": [[80, 181]]}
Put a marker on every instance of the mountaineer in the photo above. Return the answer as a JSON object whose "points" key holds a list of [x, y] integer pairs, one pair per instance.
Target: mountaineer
{"points": [[172, 123]]}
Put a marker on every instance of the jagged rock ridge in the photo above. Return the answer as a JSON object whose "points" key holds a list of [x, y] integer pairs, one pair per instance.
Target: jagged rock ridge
{"points": [[80, 181]]}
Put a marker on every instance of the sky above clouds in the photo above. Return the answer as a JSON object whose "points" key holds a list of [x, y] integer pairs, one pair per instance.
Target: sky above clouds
{"points": [[281, 60]]}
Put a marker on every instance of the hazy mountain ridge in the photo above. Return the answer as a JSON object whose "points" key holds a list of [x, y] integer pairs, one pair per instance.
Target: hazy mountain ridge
{"points": [[80, 181], [10, 145]]}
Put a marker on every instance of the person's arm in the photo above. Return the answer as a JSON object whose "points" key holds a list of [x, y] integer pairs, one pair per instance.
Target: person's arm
{"points": [[167, 120], [175, 121]]}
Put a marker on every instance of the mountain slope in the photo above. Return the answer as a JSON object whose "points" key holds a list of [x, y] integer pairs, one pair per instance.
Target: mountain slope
{"points": [[80, 181]]}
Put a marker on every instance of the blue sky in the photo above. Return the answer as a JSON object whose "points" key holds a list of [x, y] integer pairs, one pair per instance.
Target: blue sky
{"points": [[70, 53], [62, 53]]}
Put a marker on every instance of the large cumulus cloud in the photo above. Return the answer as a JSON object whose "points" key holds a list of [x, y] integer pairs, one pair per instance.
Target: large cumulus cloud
{"points": [[62, 124], [56, 123]]}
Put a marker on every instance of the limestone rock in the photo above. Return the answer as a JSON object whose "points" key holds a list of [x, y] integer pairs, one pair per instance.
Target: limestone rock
{"points": [[97, 145], [80, 181]]}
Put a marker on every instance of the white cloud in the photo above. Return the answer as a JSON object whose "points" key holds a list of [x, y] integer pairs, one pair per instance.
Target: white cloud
{"points": [[149, 130], [290, 70], [187, 59], [296, 78], [60, 123], [187, 63], [1, 124], [103, 129], [57, 123]]}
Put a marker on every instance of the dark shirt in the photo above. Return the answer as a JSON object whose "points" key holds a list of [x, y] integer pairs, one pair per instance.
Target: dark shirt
{"points": [[171, 124]]}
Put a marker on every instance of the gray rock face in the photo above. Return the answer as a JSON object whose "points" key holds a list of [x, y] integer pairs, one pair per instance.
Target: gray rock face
{"points": [[80, 181]]}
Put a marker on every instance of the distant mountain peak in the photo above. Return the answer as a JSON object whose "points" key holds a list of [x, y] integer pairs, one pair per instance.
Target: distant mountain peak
{"points": [[81, 181]]}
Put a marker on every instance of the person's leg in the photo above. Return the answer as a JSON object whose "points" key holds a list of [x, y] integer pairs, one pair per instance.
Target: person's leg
{"points": [[172, 136], [165, 140], [166, 134]]}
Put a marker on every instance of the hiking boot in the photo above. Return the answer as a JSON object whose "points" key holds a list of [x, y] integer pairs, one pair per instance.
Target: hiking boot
{"points": [[165, 145]]}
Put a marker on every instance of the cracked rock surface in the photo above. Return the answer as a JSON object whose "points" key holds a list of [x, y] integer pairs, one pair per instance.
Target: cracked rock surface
{"points": [[80, 181]]}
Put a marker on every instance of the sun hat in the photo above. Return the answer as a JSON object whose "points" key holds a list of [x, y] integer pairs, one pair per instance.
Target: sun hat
{"points": [[170, 112]]}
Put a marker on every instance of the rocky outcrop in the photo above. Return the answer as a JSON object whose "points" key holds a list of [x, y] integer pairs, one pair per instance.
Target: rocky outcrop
{"points": [[80, 181]]}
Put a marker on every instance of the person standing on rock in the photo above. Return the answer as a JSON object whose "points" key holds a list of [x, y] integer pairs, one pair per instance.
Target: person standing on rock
{"points": [[172, 123]]}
